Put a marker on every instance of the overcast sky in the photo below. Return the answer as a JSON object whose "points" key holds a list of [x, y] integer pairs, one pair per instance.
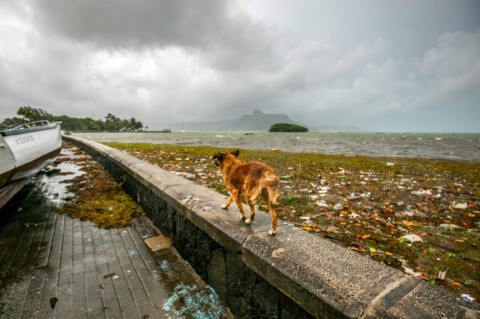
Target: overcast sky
{"points": [[406, 65]]}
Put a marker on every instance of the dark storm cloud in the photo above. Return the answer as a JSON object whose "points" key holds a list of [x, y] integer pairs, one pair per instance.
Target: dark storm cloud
{"points": [[200, 60], [226, 38], [135, 23]]}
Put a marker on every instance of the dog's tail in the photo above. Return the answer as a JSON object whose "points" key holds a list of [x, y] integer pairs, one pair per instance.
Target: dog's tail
{"points": [[270, 182]]}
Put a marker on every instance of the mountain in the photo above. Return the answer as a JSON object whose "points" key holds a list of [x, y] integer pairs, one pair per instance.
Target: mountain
{"points": [[256, 122]]}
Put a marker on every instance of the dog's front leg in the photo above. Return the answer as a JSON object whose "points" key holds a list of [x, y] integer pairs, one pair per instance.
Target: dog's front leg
{"points": [[228, 202], [234, 196]]}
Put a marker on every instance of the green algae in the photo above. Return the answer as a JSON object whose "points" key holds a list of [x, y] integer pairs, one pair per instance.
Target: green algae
{"points": [[379, 199], [96, 196]]}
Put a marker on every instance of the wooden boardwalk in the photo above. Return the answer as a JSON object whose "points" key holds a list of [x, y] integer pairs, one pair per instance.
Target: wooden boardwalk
{"points": [[53, 266]]}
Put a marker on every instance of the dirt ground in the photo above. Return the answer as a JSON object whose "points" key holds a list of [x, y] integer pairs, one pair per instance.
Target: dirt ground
{"points": [[420, 216]]}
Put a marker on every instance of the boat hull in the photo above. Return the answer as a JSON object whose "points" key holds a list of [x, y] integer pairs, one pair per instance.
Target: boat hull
{"points": [[23, 153]]}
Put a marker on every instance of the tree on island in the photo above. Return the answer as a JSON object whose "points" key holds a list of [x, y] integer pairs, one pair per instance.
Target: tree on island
{"points": [[287, 127], [111, 124]]}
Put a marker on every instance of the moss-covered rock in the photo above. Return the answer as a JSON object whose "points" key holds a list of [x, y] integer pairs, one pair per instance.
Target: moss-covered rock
{"points": [[287, 127]]}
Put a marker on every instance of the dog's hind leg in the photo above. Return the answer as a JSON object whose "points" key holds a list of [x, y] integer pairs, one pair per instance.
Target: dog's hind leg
{"points": [[251, 217], [273, 215], [270, 195], [251, 197]]}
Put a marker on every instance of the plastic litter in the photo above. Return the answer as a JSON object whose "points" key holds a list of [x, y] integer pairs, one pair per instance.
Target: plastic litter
{"points": [[353, 197], [422, 192], [450, 227], [467, 297], [442, 274], [412, 238], [460, 206], [321, 203], [355, 215]]}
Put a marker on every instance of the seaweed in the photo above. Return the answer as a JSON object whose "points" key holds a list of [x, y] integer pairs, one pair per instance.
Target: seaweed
{"points": [[421, 216], [95, 196]]}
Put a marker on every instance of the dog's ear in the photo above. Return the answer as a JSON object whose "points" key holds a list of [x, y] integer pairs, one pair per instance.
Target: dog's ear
{"points": [[219, 156], [235, 153]]}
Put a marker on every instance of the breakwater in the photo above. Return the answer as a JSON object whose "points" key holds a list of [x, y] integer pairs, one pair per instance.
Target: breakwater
{"points": [[292, 275]]}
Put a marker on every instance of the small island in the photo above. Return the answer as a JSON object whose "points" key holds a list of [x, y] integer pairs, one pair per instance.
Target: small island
{"points": [[287, 127]]}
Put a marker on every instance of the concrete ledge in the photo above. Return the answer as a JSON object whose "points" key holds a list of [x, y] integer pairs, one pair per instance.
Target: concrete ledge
{"points": [[259, 276]]}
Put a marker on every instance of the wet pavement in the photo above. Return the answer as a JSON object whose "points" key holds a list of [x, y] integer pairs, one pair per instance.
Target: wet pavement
{"points": [[53, 266]]}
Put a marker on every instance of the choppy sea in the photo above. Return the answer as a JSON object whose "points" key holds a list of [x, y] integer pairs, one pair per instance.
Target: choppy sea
{"points": [[450, 146]]}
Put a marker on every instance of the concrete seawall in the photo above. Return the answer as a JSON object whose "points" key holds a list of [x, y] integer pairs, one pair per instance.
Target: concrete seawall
{"points": [[292, 275]]}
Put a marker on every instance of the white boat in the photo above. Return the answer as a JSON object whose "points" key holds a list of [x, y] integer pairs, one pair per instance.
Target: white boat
{"points": [[24, 151]]}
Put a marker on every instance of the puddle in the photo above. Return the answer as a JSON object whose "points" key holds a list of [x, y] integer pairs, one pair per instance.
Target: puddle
{"points": [[69, 171]]}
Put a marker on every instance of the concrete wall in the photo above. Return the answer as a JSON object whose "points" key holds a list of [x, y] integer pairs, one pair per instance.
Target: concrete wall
{"points": [[292, 275]]}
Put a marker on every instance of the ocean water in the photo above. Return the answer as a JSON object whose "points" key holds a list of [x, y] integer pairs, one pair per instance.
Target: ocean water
{"points": [[450, 146]]}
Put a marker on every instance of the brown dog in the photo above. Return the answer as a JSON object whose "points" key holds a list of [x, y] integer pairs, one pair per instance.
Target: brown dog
{"points": [[251, 179]]}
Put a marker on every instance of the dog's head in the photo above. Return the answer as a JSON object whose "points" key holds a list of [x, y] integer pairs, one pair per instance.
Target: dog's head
{"points": [[220, 157]]}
